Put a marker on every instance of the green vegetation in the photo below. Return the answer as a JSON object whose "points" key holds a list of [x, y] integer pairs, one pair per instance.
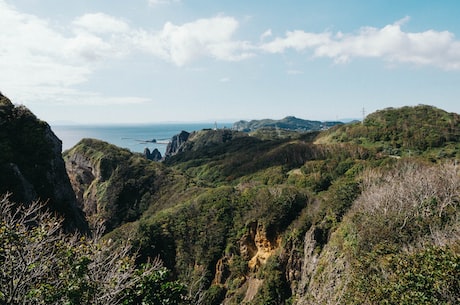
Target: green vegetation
{"points": [[362, 213], [31, 165], [122, 185], [416, 206], [21, 132], [406, 131], [43, 265], [288, 123]]}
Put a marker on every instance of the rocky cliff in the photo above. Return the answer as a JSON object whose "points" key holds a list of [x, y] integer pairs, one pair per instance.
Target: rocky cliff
{"points": [[176, 144], [31, 164], [199, 140]]}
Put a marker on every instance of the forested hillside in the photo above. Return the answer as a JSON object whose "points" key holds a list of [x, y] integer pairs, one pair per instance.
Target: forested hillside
{"points": [[362, 213]]}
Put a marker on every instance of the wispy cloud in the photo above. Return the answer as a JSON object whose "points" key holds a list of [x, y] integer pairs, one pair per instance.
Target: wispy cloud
{"points": [[160, 2], [266, 34], [101, 23], [294, 72]]}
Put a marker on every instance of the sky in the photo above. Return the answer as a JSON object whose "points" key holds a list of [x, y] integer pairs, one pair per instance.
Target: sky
{"points": [[156, 61]]}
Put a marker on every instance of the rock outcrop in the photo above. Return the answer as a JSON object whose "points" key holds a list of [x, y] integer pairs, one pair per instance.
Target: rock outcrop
{"points": [[155, 155], [200, 140], [256, 247], [31, 164], [176, 143]]}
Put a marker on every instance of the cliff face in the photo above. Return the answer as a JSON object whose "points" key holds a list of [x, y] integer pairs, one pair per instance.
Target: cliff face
{"points": [[199, 140], [31, 164], [176, 144]]}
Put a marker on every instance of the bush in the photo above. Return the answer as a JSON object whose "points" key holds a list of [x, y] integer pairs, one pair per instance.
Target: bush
{"points": [[43, 265]]}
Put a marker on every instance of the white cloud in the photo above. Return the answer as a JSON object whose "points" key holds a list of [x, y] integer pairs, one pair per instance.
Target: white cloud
{"points": [[390, 43], [43, 61], [88, 47], [298, 40], [41, 64], [266, 34], [32, 53], [181, 44], [159, 2], [101, 23]]}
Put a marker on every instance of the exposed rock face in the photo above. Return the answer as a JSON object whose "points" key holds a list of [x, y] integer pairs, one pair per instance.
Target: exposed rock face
{"points": [[176, 143], [31, 164], [222, 271], [253, 287], [309, 262], [316, 276], [256, 247], [197, 140], [155, 155]]}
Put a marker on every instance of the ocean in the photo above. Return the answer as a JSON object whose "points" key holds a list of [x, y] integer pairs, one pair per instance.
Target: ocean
{"points": [[133, 137]]}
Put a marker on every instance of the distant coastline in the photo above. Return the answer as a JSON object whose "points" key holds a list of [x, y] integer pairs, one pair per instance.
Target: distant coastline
{"points": [[131, 136]]}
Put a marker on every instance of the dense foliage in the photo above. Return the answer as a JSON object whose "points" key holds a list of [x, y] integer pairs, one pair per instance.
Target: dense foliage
{"points": [[405, 131], [405, 226], [287, 123], [364, 213], [43, 265]]}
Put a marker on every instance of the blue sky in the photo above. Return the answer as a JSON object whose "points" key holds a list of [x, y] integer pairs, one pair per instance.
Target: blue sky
{"points": [[149, 61]]}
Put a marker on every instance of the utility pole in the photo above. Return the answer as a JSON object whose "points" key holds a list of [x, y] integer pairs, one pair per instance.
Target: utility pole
{"points": [[364, 115]]}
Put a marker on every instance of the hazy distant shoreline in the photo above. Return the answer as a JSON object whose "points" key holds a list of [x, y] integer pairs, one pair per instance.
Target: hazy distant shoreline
{"points": [[131, 136]]}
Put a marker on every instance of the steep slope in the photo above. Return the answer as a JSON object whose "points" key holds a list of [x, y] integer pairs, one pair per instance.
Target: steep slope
{"points": [[330, 217], [31, 165], [112, 184], [315, 256]]}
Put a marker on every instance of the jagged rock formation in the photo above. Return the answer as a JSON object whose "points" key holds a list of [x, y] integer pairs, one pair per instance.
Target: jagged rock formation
{"points": [[155, 155], [198, 140], [176, 143], [31, 165]]}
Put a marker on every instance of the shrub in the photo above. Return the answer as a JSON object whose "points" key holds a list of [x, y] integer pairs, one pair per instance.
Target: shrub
{"points": [[43, 265]]}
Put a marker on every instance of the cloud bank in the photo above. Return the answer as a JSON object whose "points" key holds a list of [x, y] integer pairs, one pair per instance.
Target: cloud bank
{"points": [[390, 43]]}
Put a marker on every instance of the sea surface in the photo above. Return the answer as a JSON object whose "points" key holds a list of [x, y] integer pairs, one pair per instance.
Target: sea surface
{"points": [[133, 137]]}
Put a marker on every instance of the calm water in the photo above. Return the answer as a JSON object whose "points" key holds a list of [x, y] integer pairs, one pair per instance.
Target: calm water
{"points": [[134, 137]]}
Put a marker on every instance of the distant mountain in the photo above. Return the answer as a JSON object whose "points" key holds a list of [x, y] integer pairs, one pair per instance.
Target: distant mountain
{"points": [[288, 123]]}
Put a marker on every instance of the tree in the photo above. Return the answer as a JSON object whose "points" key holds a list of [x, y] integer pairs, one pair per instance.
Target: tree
{"points": [[42, 264]]}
